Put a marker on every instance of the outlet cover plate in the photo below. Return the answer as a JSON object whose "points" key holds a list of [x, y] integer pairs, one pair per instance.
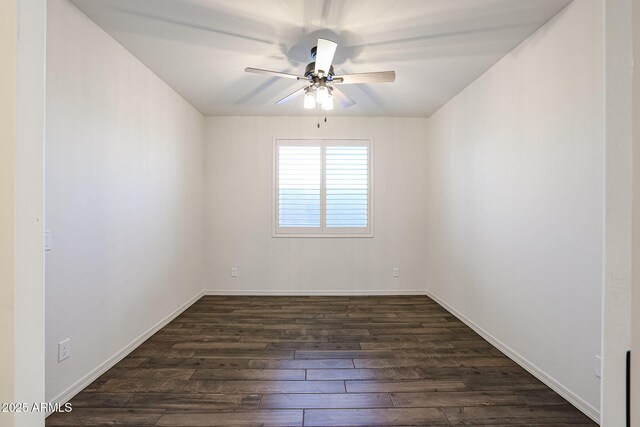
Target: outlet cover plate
{"points": [[64, 349]]}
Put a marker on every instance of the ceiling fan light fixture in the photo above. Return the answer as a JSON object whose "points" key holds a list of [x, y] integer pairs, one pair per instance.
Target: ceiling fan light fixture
{"points": [[309, 100], [322, 93], [327, 105]]}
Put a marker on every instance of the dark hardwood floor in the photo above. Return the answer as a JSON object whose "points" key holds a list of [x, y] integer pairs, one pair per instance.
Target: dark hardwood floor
{"points": [[317, 361]]}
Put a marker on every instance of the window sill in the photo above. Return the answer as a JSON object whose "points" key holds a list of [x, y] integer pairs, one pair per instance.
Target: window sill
{"points": [[315, 236]]}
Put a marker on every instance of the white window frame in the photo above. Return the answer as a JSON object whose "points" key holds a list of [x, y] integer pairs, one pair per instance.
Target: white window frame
{"points": [[323, 230]]}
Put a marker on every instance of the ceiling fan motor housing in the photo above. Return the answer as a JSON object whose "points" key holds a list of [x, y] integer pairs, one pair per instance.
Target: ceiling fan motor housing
{"points": [[308, 72]]}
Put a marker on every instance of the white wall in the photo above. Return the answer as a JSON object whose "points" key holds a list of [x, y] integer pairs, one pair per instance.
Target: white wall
{"points": [[618, 227], [8, 58], [124, 176], [635, 288], [22, 94], [239, 153], [515, 201]]}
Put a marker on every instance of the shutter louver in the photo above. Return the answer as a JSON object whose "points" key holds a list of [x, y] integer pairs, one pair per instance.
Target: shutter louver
{"points": [[299, 186], [347, 186]]}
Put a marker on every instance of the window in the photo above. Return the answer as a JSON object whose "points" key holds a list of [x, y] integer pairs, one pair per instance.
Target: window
{"points": [[322, 188]]}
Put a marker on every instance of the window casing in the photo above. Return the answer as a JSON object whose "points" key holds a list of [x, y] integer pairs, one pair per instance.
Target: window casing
{"points": [[323, 188]]}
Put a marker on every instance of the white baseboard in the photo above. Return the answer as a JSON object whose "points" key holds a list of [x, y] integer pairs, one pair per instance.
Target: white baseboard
{"points": [[312, 293], [553, 384], [76, 388]]}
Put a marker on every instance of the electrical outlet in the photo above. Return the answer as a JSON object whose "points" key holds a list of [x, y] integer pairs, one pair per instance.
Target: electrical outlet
{"points": [[234, 272], [48, 242], [396, 272], [598, 367], [64, 349]]}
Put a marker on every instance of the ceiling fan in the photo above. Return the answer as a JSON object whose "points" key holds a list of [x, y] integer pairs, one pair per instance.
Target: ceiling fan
{"points": [[321, 79]]}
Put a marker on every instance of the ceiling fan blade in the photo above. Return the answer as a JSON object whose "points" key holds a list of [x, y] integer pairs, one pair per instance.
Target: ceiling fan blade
{"points": [[375, 77], [298, 93], [324, 55], [342, 98], [274, 73]]}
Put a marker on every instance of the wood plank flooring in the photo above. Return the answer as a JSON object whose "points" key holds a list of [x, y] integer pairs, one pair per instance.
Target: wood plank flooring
{"points": [[317, 361]]}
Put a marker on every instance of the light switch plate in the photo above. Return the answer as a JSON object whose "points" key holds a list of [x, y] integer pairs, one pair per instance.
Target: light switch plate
{"points": [[234, 272], [48, 242], [396, 272]]}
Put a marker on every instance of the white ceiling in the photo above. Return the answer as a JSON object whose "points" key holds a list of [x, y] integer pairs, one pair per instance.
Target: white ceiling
{"points": [[436, 47]]}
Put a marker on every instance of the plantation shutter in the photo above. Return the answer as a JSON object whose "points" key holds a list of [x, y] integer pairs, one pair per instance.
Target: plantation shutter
{"points": [[347, 186], [299, 185], [322, 188]]}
